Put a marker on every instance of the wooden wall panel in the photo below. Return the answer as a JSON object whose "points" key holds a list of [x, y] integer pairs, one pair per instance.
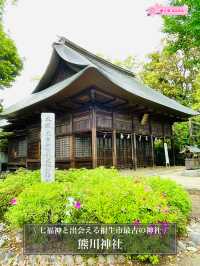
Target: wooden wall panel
{"points": [[81, 122], [17, 149], [34, 150], [138, 128], [157, 128], [104, 120], [124, 152], [12, 150], [167, 129], [33, 134], [123, 122], [144, 151], [63, 126], [104, 150]]}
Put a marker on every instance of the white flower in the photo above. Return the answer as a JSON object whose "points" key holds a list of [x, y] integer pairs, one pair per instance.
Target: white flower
{"points": [[67, 213], [71, 199], [70, 202]]}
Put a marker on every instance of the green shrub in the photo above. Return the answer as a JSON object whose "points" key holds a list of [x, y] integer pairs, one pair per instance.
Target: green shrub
{"points": [[177, 198], [101, 196], [16, 182], [116, 199], [175, 194], [41, 203], [13, 185], [72, 175]]}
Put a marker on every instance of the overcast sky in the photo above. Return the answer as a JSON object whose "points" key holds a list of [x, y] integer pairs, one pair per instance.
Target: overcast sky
{"points": [[113, 28]]}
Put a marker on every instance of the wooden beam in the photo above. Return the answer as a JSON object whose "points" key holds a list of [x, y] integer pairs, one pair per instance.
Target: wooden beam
{"points": [[94, 137], [152, 142], [72, 144], [114, 142]]}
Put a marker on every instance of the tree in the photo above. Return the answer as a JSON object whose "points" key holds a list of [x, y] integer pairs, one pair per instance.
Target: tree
{"points": [[184, 31], [183, 34], [10, 65], [172, 75], [129, 63], [10, 62], [175, 76]]}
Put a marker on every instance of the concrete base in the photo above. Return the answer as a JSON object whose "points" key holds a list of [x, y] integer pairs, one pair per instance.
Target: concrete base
{"points": [[192, 173]]}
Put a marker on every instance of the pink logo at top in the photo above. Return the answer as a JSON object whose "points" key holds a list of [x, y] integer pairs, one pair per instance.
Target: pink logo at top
{"points": [[167, 10]]}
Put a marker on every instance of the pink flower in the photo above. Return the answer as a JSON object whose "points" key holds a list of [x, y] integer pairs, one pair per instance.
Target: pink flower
{"points": [[165, 210], [77, 205], [136, 222], [13, 201]]}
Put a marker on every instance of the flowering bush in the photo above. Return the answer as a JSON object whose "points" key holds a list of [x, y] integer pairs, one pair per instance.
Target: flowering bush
{"points": [[95, 196], [13, 185], [40, 203], [175, 194], [116, 199], [16, 182]]}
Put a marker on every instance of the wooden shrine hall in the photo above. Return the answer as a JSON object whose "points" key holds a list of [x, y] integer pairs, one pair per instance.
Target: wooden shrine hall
{"points": [[104, 115]]}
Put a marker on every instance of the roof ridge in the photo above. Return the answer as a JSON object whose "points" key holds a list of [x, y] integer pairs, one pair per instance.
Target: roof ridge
{"points": [[73, 45]]}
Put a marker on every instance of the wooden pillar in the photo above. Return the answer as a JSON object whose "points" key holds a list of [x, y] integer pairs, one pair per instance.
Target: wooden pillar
{"points": [[94, 138], [135, 150], [152, 143], [152, 151], [72, 144], [132, 151], [114, 142]]}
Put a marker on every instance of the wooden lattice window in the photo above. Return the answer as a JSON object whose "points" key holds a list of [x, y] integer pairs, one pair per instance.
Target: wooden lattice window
{"points": [[63, 147], [83, 146], [34, 150], [22, 148]]}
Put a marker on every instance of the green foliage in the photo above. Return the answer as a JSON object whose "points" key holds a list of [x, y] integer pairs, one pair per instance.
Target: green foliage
{"points": [[10, 62], [102, 196], [181, 135], [128, 200], [13, 185], [176, 196], [16, 182], [184, 31], [171, 75], [40, 203], [196, 104], [176, 77], [4, 140], [128, 63]]}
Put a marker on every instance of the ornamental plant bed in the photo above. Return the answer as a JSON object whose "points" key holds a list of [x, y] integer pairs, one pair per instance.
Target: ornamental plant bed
{"points": [[93, 196]]}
